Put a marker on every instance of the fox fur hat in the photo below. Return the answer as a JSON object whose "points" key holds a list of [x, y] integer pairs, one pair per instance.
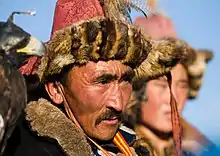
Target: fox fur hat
{"points": [[100, 30]]}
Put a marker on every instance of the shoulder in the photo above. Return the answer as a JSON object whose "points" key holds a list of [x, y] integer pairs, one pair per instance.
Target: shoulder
{"points": [[24, 142], [210, 150], [196, 142]]}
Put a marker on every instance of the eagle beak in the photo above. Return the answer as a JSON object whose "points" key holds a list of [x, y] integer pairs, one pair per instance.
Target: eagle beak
{"points": [[34, 47]]}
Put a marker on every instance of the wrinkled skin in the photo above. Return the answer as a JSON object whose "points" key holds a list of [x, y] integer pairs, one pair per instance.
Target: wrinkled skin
{"points": [[157, 112], [90, 96]]}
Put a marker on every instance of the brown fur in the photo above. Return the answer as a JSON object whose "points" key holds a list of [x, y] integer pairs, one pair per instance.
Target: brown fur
{"points": [[150, 141], [111, 38], [116, 9], [164, 55], [48, 121], [196, 69], [132, 112], [94, 40], [195, 64], [144, 142]]}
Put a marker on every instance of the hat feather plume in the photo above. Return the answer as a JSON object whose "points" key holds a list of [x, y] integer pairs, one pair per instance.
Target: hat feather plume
{"points": [[144, 6], [120, 9]]}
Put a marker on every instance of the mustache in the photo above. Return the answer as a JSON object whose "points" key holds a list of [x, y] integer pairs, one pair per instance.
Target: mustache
{"points": [[108, 114]]}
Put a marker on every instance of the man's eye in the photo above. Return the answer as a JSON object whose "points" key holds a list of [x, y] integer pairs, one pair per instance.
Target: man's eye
{"points": [[162, 84], [126, 79], [104, 81], [183, 85]]}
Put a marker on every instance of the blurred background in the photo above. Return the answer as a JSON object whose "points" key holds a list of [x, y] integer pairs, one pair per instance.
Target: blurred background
{"points": [[196, 21]]}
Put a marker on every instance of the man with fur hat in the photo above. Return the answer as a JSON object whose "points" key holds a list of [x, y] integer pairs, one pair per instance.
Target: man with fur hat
{"points": [[149, 111], [94, 55]]}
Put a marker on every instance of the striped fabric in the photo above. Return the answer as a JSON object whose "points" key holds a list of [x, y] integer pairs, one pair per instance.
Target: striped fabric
{"points": [[120, 142]]}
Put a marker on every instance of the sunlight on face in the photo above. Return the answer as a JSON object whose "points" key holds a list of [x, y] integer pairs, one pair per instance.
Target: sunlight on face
{"points": [[98, 93]]}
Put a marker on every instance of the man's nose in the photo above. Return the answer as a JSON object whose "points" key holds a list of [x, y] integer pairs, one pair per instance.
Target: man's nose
{"points": [[115, 99]]}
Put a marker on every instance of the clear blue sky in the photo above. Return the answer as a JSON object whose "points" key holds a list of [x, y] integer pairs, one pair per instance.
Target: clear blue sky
{"points": [[196, 21]]}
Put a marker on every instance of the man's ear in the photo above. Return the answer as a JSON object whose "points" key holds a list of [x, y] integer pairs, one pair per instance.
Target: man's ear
{"points": [[53, 92]]}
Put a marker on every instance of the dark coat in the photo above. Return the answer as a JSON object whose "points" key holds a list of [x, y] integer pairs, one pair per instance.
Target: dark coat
{"points": [[46, 131], [26, 143]]}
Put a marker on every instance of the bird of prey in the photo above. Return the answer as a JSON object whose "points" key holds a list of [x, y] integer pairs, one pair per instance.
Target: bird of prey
{"points": [[16, 46]]}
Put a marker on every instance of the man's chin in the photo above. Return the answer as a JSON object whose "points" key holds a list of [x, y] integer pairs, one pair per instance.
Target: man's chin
{"points": [[106, 133], [165, 129], [161, 128], [104, 136]]}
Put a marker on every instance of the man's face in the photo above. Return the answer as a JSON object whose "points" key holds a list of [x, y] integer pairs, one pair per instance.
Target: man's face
{"points": [[157, 112], [97, 94]]}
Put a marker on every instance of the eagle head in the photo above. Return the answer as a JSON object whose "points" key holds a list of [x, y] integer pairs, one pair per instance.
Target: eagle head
{"points": [[17, 44]]}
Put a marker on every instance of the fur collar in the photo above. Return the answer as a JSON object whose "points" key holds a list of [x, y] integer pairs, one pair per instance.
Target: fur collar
{"points": [[155, 145], [48, 121]]}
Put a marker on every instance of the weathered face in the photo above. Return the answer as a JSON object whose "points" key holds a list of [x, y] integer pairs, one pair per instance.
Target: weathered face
{"points": [[157, 112], [97, 94]]}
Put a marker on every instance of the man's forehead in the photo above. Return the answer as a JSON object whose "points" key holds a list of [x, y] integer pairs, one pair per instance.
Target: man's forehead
{"points": [[102, 67], [181, 79], [179, 73]]}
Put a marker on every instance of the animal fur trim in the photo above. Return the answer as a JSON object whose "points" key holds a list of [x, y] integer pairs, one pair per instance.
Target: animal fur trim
{"points": [[48, 121], [196, 69], [102, 39]]}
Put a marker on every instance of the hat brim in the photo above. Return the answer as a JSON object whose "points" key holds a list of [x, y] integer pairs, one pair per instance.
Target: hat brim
{"points": [[102, 39]]}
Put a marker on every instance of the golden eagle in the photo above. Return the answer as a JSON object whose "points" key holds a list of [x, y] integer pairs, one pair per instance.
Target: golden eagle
{"points": [[16, 46]]}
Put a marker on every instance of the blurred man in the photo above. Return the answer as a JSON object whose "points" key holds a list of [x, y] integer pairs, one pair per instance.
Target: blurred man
{"points": [[149, 112]]}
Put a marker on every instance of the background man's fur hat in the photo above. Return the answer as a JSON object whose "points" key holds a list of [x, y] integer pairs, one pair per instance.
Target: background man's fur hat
{"points": [[94, 30], [196, 67], [159, 26]]}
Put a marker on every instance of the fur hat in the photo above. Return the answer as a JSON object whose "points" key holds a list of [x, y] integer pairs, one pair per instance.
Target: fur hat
{"points": [[159, 26], [94, 30]]}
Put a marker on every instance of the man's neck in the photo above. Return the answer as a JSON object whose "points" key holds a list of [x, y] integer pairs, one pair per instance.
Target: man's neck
{"points": [[112, 145]]}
